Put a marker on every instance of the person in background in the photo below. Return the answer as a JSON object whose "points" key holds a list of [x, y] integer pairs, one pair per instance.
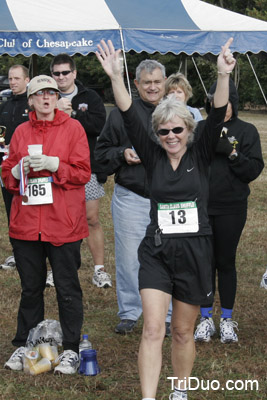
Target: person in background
{"points": [[130, 200], [178, 85], [87, 107], [238, 161], [175, 254], [48, 217], [13, 112]]}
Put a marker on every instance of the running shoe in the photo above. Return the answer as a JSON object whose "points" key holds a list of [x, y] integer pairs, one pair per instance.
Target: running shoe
{"points": [[178, 396], [16, 360], [9, 263], [125, 326], [264, 280], [205, 330], [50, 279], [227, 330], [68, 362], [102, 279]]}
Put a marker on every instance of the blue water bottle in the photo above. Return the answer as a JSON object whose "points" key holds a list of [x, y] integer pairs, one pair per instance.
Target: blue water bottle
{"points": [[88, 363]]}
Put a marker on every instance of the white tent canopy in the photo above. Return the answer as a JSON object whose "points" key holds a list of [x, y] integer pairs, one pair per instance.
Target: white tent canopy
{"points": [[179, 26]]}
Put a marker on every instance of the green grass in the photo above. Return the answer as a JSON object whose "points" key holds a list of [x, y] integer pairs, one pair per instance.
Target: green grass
{"points": [[117, 355]]}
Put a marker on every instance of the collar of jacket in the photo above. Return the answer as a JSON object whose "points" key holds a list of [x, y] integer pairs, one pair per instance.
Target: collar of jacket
{"points": [[17, 97]]}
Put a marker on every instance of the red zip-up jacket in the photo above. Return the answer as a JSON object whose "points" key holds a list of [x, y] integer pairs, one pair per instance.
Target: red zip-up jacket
{"points": [[65, 219]]}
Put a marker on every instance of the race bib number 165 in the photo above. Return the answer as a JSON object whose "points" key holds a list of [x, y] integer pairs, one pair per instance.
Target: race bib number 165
{"points": [[39, 191]]}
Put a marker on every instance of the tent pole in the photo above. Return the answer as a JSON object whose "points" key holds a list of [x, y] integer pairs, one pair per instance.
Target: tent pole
{"points": [[34, 65], [256, 78], [125, 63], [202, 83]]}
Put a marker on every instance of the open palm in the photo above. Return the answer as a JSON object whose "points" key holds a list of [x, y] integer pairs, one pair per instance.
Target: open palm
{"points": [[109, 58]]}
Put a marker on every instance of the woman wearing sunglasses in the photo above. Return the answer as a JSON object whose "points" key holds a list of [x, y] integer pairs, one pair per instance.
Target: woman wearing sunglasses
{"points": [[175, 255]]}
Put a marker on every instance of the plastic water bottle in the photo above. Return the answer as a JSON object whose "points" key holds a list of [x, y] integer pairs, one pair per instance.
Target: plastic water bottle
{"points": [[88, 363], [85, 344]]}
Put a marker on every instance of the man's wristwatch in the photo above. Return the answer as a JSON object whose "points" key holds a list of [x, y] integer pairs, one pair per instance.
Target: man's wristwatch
{"points": [[233, 156]]}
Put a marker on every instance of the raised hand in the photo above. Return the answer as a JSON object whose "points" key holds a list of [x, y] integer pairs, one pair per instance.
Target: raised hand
{"points": [[109, 58], [226, 61]]}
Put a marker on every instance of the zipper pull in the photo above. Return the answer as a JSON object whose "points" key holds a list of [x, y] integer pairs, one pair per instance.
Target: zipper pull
{"points": [[157, 237]]}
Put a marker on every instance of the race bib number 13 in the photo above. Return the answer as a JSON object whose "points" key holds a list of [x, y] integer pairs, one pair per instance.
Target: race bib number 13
{"points": [[39, 191], [178, 217]]}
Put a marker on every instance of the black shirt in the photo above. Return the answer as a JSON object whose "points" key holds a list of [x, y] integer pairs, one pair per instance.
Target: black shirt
{"points": [[187, 185]]}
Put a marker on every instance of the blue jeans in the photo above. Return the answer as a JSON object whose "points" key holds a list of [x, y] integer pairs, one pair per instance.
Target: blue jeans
{"points": [[130, 214]]}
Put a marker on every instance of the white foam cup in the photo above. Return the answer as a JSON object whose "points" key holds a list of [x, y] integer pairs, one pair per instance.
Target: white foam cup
{"points": [[35, 149]]}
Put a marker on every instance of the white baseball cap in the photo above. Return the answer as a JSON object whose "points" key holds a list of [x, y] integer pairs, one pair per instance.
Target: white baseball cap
{"points": [[41, 82]]}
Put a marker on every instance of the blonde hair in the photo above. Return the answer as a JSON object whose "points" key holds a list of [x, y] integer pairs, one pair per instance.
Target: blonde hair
{"points": [[178, 80], [169, 108]]}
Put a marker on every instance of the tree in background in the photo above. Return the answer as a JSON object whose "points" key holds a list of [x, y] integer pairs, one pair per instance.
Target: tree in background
{"points": [[91, 74]]}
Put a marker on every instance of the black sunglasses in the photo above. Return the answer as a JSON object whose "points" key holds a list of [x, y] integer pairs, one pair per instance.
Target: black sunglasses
{"points": [[176, 130], [57, 73]]}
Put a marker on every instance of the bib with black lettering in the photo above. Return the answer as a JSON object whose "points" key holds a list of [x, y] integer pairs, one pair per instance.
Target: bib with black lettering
{"points": [[179, 217], [39, 191]]}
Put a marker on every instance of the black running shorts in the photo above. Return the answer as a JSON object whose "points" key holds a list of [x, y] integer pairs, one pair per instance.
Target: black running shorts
{"points": [[179, 266]]}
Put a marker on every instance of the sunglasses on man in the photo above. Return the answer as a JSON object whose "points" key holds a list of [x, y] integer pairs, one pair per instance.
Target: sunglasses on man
{"points": [[64, 73]]}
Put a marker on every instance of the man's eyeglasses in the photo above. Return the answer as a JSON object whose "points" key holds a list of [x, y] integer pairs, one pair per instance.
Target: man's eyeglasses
{"points": [[49, 92], [64, 73], [176, 130]]}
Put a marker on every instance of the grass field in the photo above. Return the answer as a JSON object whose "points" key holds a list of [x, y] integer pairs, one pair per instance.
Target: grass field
{"points": [[117, 355]]}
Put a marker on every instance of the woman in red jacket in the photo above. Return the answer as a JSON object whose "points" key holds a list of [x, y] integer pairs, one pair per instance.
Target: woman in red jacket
{"points": [[48, 218]]}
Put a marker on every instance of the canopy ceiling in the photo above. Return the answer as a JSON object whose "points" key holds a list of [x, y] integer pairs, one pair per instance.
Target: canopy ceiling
{"points": [[179, 26]]}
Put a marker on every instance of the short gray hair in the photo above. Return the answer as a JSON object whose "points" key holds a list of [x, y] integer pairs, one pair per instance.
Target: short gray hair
{"points": [[169, 108], [149, 66]]}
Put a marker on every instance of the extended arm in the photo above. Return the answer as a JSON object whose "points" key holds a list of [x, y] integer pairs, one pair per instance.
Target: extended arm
{"points": [[109, 59], [225, 65]]}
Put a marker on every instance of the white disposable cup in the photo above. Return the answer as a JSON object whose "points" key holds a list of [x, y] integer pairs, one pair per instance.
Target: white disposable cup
{"points": [[30, 359], [35, 149], [43, 365], [47, 351]]}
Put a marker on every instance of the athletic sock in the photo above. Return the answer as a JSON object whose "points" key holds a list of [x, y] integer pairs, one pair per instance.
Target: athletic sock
{"points": [[179, 391], [206, 312], [226, 313], [148, 398], [98, 267]]}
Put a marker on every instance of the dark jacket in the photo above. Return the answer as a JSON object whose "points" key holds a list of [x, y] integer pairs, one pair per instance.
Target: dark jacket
{"points": [[92, 119], [229, 180], [111, 145], [12, 113]]}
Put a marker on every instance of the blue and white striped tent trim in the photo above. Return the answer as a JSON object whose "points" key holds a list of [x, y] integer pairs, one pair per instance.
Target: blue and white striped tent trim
{"points": [[179, 26]]}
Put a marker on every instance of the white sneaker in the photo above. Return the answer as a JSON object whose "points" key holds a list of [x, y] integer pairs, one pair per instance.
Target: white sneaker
{"points": [[49, 279], [178, 396], [16, 360], [227, 332], [264, 280], [68, 362], [9, 263], [205, 330], [102, 279]]}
